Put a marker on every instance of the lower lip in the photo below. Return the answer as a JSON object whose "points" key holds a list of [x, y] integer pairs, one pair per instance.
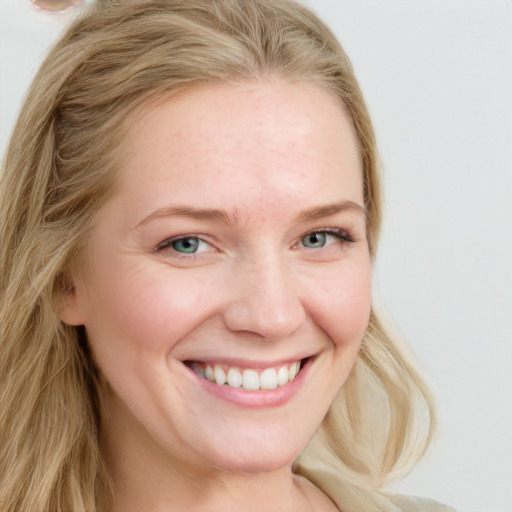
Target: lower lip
{"points": [[259, 398]]}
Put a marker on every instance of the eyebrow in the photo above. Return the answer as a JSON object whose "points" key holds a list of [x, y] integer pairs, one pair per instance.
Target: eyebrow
{"points": [[327, 210], [216, 215], [193, 213]]}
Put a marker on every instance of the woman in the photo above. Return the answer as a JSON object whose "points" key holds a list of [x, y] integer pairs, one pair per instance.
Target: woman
{"points": [[190, 210]]}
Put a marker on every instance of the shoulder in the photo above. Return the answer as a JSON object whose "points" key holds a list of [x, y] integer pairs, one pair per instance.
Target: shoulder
{"points": [[350, 498], [416, 504]]}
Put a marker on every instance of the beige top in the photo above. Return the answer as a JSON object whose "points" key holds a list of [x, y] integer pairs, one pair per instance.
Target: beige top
{"points": [[351, 499]]}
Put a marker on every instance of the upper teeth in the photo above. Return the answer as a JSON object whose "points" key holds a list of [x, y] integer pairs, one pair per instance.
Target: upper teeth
{"points": [[268, 378]]}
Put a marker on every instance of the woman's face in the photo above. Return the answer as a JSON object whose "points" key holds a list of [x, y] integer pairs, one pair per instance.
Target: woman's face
{"points": [[234, 248]]}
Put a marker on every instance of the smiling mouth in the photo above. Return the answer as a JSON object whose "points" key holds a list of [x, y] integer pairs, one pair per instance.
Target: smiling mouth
{"points": [[248, 378]]}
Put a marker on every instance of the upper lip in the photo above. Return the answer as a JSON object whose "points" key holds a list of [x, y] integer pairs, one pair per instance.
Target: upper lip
{"points": [[245, 363]]}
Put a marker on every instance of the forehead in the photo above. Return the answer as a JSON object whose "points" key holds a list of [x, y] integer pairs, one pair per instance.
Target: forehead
{"points": [[262, 142]]}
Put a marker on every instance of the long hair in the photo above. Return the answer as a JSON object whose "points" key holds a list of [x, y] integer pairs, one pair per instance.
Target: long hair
{"points": [[60, 168]]}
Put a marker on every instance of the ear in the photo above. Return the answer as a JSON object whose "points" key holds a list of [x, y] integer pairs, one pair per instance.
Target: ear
{"points": [[70, 302]]}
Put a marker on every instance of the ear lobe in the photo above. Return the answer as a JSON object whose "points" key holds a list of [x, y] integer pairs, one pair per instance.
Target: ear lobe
{"points": [[70, 304]]}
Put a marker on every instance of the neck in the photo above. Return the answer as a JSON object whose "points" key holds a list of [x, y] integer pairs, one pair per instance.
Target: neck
{"points": [[179, 488], [147, 476]]}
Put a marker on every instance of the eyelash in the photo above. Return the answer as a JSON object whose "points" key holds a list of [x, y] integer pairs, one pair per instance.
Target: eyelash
{"points": [[342, 235], [342, 238], [168, 242]]}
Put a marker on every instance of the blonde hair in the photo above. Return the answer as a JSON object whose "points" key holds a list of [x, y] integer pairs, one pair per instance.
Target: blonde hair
{"points": [[60, 167]]}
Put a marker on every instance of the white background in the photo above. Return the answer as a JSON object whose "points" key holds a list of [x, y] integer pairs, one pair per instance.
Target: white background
{"points": [[437, 76]]}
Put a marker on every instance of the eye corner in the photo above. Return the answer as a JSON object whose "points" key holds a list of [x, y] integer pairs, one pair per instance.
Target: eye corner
{"points": [[185, 246], [320, 237]]}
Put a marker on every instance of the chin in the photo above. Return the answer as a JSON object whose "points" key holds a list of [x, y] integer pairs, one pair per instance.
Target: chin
{"points": [[256, 457], [256, 465]]}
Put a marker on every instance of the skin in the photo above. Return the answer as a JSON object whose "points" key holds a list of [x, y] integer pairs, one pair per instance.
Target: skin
{"points": [[256, 292]]}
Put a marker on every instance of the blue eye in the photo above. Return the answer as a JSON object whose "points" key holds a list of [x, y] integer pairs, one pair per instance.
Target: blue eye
{"points": [[315, 240], [186, 245], [320, 239]]}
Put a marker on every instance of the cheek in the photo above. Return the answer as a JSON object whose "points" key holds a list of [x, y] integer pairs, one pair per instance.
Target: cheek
{"points": [[341, 305], [144, 310]]}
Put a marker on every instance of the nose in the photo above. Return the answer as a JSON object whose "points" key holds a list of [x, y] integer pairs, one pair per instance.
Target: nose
{"points": [[264, 300]]}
